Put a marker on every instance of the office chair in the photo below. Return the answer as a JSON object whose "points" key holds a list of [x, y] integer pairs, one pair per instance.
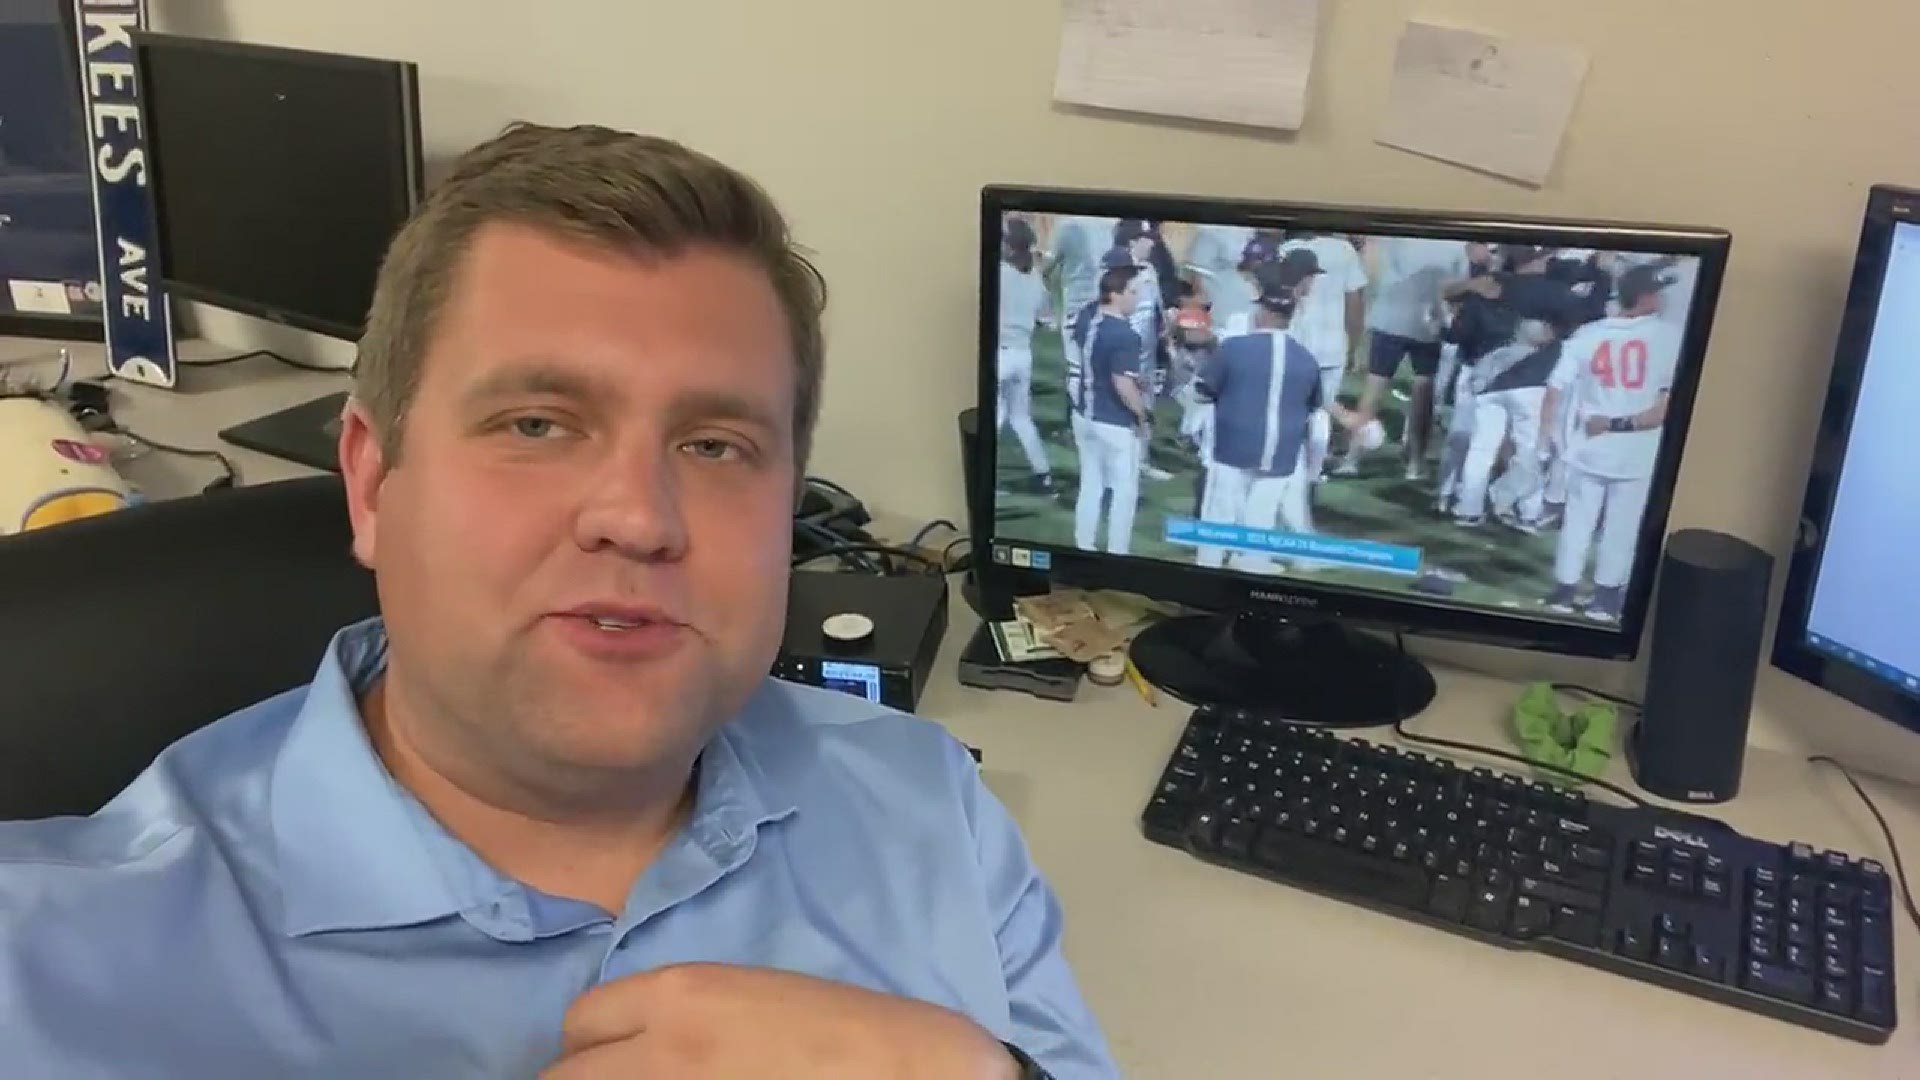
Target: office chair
{"points": [[120, 634]]}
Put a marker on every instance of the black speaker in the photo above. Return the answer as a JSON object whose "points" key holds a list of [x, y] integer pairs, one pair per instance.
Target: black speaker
{"points": [[979, 506], [1707, 620]]}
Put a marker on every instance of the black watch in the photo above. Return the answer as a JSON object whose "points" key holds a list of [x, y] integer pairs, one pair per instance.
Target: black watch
{"points": [[1029, 1068], [1620, 424]]}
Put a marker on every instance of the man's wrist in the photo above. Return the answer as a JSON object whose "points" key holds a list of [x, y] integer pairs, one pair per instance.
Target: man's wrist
{"points": [[1620, 424]]}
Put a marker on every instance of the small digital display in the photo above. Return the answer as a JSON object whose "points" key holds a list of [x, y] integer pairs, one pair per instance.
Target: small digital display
{"points": [[860, 680]]}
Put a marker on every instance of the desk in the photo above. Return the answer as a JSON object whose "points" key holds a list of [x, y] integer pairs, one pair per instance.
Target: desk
{"points": [[1200, 972]]}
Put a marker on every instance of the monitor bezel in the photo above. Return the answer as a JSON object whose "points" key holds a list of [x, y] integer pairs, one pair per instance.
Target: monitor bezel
{"points": [[405, 118], [1887, 207], [1224, 590]]}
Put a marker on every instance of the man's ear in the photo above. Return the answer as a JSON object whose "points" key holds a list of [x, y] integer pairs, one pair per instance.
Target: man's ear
{"points": [[363, 466]]}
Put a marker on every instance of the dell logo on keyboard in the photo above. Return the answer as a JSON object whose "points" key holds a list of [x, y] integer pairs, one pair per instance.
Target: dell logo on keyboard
{"points": [[1289, 599], [1661, 832]]}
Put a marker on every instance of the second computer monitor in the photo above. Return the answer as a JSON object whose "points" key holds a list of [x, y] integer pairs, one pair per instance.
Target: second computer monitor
{"points": [[1440, 422]]}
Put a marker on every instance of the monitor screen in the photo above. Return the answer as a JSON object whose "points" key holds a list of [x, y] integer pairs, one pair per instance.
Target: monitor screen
{"points": [[1865, 596], [279, 176], [1420, 415], [49, 256]]}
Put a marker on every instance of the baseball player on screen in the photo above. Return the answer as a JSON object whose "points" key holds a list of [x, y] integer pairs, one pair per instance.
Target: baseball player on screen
{"points": [[1024, 306], [1614, 376], [1333, 306], [1111, 403], [1266, 391], [1403, 323]]}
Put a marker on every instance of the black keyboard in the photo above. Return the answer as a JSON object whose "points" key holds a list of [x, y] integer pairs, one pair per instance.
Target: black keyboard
{"points": [[1661, 896]]}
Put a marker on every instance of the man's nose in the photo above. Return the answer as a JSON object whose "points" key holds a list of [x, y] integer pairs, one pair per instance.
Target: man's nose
{"points": [[631, 505]]}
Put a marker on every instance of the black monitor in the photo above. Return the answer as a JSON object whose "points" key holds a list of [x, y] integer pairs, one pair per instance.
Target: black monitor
{"points": [[1546, 371], [1850, 616], [279, 176], [49, 252]]}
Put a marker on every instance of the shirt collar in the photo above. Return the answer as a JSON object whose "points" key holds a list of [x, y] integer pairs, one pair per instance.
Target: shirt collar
{"points": [[357, 851]]}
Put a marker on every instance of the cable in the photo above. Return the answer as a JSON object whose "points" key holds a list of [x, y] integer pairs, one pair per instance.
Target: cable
{"points": [[821, 481], [231, 477], [946, 555], [1400, 729], [1899, 868], [931, 567], [936, 523], [1576, 688], [829, 539], [270, 354]]}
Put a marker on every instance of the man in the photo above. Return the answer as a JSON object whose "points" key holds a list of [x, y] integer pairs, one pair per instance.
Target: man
{"points": [[1115, 417], [1024, 307], [1266, 391], [549, 812], [1403, 326], [1137, 244], [1332, 311], [1615, 377]]}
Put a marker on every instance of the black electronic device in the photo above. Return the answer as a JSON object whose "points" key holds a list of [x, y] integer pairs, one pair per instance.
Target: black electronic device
{"points": [[1691, 739], [279, 178], [981, 665], [1153, 467], [1666, 897], [869, 635], [1850, 616]]}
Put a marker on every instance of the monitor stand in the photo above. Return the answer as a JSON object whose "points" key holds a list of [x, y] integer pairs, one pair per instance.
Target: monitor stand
{"points": [[1309, 670], [308, 433]]}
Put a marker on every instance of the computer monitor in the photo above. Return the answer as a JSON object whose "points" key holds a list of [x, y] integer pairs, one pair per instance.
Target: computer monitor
{"points": [[49, 253], [279, 177], [1850, 616], [1544, 372]]}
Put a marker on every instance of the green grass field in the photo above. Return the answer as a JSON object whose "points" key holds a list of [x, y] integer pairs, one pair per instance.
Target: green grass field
{"points": [[1491, 565]]}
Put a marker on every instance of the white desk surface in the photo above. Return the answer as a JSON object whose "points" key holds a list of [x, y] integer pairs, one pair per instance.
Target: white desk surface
{"points": [[1200, 972]]}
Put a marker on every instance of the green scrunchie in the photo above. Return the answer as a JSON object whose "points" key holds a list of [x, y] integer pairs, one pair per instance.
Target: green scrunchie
{"points": [[1581, 740]]}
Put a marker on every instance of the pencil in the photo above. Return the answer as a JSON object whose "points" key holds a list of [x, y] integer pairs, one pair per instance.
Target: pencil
{"points": [[1140, 683]]}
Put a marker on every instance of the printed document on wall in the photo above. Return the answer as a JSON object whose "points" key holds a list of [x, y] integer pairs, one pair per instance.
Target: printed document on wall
{"points": [[1232, 61], [1489, 103]]}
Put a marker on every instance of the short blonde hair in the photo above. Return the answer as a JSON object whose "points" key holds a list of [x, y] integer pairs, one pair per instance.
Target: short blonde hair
{"points": [[639, 193]]}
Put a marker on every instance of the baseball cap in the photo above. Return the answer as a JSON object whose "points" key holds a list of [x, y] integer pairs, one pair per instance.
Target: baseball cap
{"points": [[1129, 230], [1018, 233], [1259, 250], [1299, 264], [1276, 287], [1118, 256], [1642, 281]]}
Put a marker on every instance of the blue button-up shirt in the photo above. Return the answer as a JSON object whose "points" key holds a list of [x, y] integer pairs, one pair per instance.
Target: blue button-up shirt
{"points": [[265, 900]]}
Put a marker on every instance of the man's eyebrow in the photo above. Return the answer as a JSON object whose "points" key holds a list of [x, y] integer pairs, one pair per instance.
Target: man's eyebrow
{"points": [[532, 381], [698, 405]]}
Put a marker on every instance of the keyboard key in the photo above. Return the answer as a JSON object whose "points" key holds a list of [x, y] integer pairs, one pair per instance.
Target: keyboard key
{"points": [[1450, 897], [1799, 959], [1645, 870], [1799, 907], [1876, 941], [1800, 932], [1832, 918], [1558, 893], [1835, 997], [1236, 838], [1762, 950], [1589, 856], [1835, 966], [1671, 952], [1488, 910], [1531, 917], [1773, 981], [1576, 926], [1876, 995], [1376, 880], [1707, 964], [1644, 850], [1678, 880], [1762, 925], [1835, 863], [1766, 901], [1204, 830], [1713, 888], [1634, 944], [1713, 864], [1763, 877]]}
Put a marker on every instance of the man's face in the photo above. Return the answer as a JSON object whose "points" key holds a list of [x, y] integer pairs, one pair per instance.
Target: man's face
{"points": [[582, 553], [1140, 247], [1130, 296]]}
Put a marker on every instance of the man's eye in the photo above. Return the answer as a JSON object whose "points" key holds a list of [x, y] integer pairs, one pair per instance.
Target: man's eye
{"points": [[712, 449], [535, 427]]}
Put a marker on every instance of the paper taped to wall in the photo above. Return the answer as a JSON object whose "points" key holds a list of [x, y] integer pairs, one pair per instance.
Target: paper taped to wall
{"points": [[1234, 61], [1485, 102]]}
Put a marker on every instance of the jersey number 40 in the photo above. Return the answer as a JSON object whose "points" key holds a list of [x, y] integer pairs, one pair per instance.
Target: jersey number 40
{"points": [[1626, 370]]}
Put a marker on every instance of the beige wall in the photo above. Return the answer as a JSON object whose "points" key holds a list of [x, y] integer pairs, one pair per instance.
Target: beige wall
{"points": [[876, 121]]}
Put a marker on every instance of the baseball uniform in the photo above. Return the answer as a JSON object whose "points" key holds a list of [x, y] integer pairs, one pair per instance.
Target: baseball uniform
{"points": [[1110, 451], [1078, 243], [1023, 299], [1320, 322], [1615, 367], [1265, 387]]}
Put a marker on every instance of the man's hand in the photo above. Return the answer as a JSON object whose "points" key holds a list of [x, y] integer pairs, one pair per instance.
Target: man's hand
{"points": [[716, 1020]]}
